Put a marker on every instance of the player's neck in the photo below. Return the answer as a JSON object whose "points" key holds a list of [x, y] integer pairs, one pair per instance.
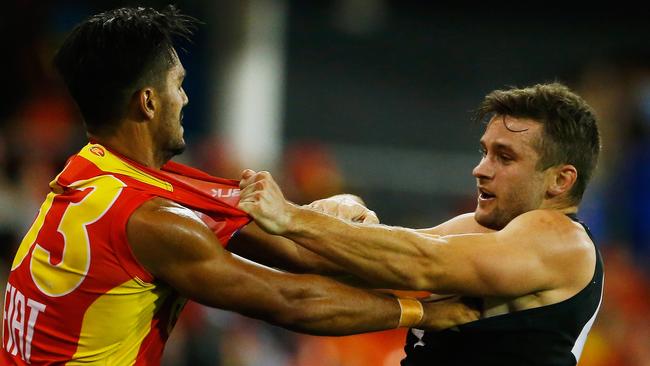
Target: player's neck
{"points": [[134, 143], [560, 205]]}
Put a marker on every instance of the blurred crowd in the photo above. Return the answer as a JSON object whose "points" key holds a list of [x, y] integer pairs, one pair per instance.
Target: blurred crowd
{"points": [[40, 128]]}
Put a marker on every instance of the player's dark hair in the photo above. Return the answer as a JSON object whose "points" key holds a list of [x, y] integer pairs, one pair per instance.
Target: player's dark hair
{"points": [[111, 55], [570, 134]]}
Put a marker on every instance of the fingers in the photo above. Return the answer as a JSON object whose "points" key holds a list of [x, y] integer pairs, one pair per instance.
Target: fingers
{"points": [[247, 177], [252, 185], [371, 218], [257, 186], [324, 206], [343, 207], [249, 192], [247, 173], [262, 199]]}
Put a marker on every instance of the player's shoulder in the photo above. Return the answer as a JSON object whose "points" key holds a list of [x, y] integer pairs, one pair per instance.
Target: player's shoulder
{"points": [[564, 245], [160, 216], [161, 232], [545, 219], [552, 229]]}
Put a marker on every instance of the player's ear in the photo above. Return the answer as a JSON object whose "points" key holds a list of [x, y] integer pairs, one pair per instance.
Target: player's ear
{"points": [[561, 180], [146, 102]]}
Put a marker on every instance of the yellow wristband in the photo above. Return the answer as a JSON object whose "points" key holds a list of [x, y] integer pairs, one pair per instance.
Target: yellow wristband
{"points": [[411, 312]]}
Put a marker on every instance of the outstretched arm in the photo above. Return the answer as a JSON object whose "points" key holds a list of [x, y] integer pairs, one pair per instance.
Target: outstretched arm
{"points": [[253, 243], [537, 251], [276, 251], [177, 248]]}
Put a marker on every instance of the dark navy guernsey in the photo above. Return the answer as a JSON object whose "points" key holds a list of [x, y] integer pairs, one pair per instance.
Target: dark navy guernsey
{"points": [[550, 335]]}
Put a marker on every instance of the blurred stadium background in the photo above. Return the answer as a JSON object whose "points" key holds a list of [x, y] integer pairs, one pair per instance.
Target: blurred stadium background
{"points": [[372, 97]]}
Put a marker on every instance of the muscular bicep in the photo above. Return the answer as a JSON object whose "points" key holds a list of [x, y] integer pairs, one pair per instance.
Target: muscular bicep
{"points": [[527, 256], [482, 265], [178, 249]]}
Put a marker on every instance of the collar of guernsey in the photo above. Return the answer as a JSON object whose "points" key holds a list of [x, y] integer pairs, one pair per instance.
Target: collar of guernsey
{"points": [[213, 199]]}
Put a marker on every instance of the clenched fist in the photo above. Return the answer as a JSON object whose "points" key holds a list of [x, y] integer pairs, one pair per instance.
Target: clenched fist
{"points": [[262, 199]]}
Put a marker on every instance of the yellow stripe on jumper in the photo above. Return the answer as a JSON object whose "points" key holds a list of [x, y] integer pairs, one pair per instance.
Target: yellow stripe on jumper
{"points": [[110, 163], [117, 322]]}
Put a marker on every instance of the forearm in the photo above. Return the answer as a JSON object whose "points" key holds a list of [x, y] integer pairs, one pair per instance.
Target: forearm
{"points": [[279, 252], [305, 303], [390, 257], [325, 307]]}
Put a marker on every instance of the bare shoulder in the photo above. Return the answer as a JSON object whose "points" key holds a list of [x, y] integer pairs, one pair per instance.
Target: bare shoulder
{"points": [[163, 218], [160, 231], [564, 245], [550, 225], [157, 209]]}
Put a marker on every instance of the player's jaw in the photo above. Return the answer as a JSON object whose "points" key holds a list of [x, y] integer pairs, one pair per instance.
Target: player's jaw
{"points": [[486, 206], [494, 210], [172, 141]]}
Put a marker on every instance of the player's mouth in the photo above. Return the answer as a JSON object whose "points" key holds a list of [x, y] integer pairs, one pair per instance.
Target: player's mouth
{"points": [[485, 195]]}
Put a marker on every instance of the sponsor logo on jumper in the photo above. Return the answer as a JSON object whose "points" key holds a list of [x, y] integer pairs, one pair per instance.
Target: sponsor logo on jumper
{"points": [[20, 315], [225, 192], [97, 151]]}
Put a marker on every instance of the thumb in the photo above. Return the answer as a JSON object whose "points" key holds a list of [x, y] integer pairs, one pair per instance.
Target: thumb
{"points": [[244, 206]]}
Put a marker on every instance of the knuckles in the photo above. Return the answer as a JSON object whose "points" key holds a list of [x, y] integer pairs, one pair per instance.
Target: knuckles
{"points": [[263, 175]]}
